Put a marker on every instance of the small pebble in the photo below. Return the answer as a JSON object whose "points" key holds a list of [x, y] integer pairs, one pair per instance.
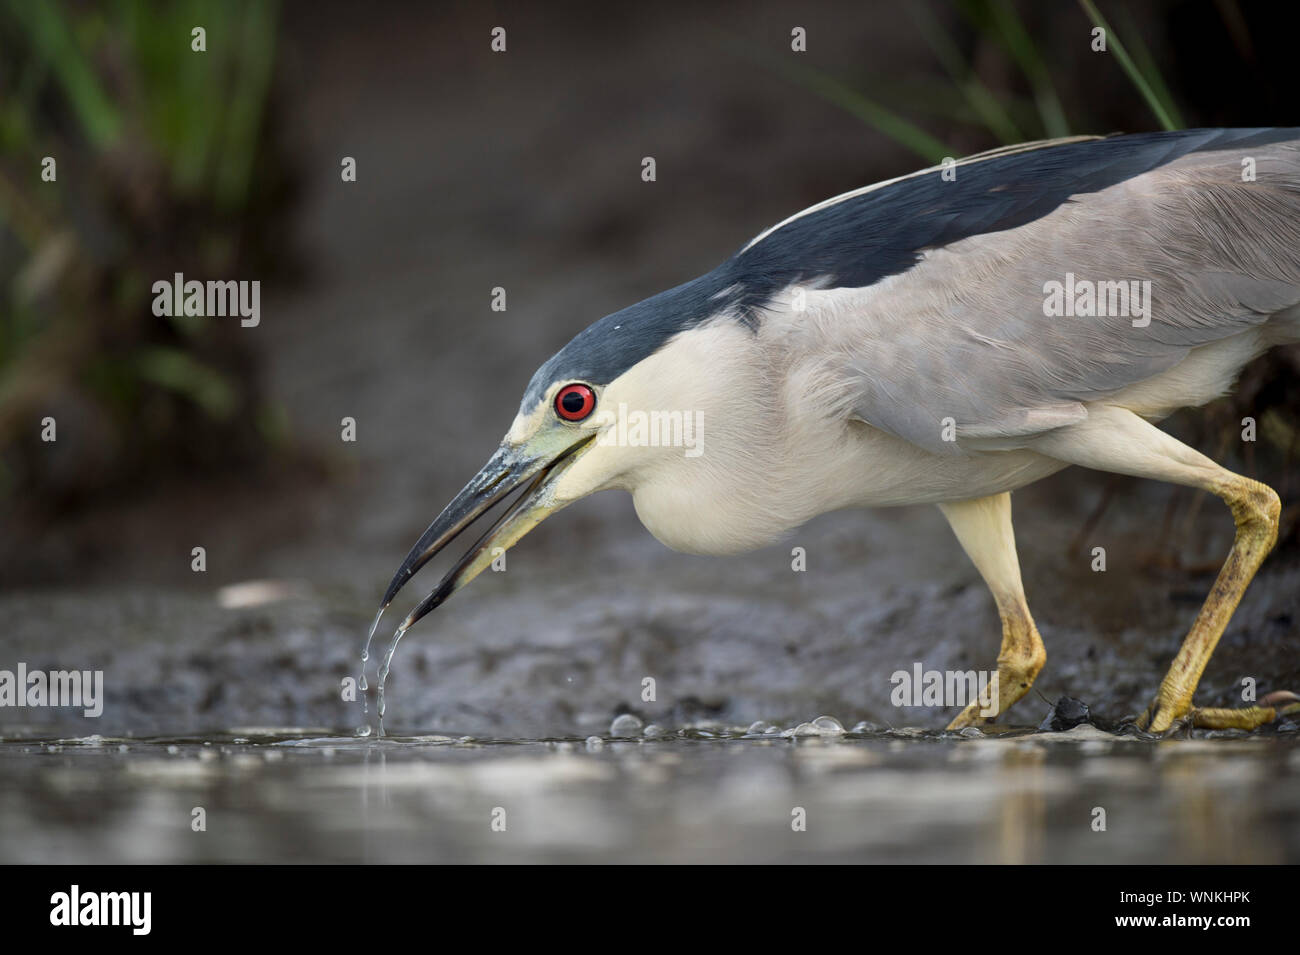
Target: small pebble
{"points": [[1066, 713]]}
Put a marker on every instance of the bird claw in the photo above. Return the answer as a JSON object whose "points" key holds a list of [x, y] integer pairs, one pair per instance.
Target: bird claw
{"points": [[1154, 721], [970, 716], [1284, 701], [1269, 708]]}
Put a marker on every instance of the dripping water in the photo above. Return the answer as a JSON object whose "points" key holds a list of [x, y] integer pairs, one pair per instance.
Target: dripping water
{"points": [[383, 674], [363, 684]]}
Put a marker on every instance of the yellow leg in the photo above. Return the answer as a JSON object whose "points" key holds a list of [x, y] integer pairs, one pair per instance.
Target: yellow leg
{"points": [[983, 526], [1255, 508], [1112, 439]]}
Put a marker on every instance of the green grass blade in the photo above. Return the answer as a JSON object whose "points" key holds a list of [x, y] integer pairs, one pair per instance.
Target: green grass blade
{"points": [[1113, 43], [999, 18], [48, 32], [978, 96], [248, 101], [880, 118], [1144, 61]]}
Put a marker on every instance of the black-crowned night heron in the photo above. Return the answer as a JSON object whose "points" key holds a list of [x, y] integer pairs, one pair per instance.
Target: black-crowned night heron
{"points": [[946, 337]]}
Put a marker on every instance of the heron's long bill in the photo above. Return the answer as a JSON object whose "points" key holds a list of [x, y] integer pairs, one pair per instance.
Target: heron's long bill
{"points": [[506, 471]]}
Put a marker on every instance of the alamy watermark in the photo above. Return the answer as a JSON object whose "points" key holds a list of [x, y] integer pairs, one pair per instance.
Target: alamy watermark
{"points": [[39, 688], [129, 909], [921, 687], [1086, 298], [211, 299], [625, 428]]}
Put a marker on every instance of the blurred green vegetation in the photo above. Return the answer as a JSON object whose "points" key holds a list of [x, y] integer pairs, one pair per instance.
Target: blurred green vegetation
{"points": [[167, 161], [967, 99]]}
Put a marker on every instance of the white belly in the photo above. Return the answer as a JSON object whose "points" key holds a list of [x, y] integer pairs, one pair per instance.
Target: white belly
{"points": [[737, 498], [732, 511]]}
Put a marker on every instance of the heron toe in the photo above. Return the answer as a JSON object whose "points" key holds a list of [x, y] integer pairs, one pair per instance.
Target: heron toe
{"points": [[1017, 668], [1164, 713]]}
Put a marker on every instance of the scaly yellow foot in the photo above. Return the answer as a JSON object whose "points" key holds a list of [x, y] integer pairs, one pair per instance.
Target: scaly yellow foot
{"points": [[1165, 712], [1281, 703], [1023, 655]]}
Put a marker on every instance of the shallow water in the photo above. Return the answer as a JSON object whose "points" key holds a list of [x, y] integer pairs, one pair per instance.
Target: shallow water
{"points": [[704, 794]]}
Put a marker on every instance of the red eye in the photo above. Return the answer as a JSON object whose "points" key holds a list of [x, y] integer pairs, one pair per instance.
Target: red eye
{"points": [[575, 402]]}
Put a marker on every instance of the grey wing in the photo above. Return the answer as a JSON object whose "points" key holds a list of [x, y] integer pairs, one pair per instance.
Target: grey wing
{"points": [[971, 336]]}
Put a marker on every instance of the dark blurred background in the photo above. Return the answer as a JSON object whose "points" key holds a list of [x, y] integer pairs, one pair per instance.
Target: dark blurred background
{"points": [[521, 170]]}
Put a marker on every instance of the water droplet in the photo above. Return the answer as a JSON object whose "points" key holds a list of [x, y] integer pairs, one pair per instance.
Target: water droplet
{"points": [[828, 726], [625, 726], [654, 731], [866, 727], [362, 731], [595, 743], [756, 728]]}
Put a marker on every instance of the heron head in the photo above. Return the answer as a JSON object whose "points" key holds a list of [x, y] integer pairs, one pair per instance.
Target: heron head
{"points": [[593, 417], [544, 444]]}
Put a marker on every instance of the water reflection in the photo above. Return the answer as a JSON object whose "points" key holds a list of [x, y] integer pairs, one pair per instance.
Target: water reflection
{"points": [[301, 795]]}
